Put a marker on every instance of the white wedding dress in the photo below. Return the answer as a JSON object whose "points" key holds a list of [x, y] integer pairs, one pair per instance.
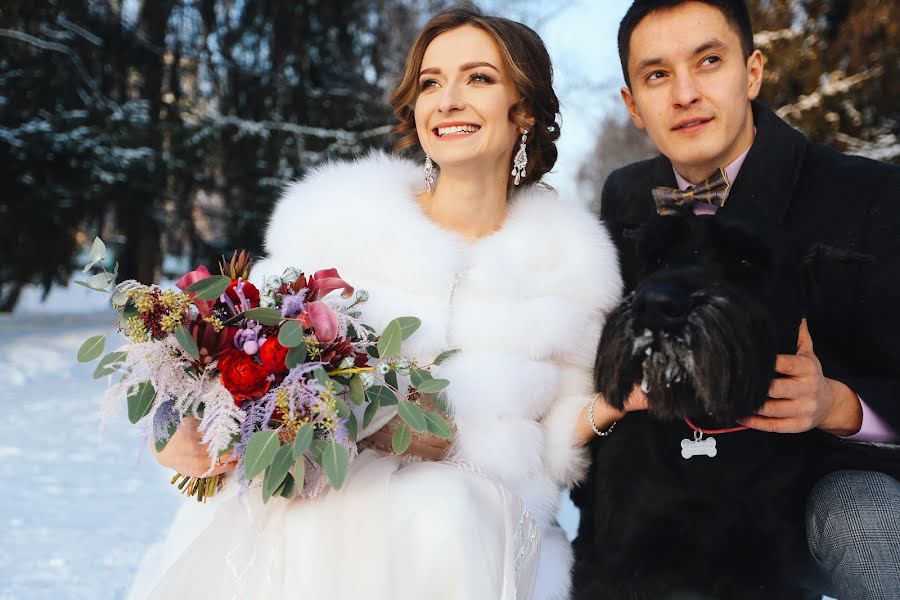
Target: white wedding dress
{"points": [[524, 306], [396, 530]]}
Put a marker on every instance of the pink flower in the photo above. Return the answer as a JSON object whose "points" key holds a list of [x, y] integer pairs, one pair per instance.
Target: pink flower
{"points": [[189, 279], [323, 321], [325, 281]]}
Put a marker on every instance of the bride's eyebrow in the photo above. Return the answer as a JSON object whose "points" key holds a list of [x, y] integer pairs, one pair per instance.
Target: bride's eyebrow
{"points": [[464, 67]]}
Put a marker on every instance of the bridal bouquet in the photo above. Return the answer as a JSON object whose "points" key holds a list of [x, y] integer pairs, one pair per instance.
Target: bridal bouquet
{"points": [[271, 374]]}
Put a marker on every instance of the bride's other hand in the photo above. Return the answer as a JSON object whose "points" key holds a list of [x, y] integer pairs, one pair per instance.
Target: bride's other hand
{"points": [[187, 454], [605, 415]]}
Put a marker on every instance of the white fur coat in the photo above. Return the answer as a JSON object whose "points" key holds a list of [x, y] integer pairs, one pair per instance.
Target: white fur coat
{"points": [[526, 314]]}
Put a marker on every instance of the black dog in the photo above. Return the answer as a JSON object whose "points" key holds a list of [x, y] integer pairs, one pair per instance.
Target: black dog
{"points": [[718, 299]]}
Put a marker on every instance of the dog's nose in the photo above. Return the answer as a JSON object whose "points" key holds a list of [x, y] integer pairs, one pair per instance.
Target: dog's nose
{"points": [[659, 306]]}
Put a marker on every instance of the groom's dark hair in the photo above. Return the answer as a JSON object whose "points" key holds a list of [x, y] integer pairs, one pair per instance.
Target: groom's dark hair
{"points": [[735, 12]]}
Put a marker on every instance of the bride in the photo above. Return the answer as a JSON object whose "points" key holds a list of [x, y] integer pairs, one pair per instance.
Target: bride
{"points": [[495, 265]]}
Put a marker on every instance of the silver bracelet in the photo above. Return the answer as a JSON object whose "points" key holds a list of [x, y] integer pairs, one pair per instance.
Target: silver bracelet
{"points": [[594, 426]]}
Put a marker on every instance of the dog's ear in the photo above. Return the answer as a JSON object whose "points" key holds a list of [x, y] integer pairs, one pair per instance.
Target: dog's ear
{"points": [[817, 257]]}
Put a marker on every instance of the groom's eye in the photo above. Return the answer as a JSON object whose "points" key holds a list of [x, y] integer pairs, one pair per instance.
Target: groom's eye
{"points": [[655, 75], [710, 60]]}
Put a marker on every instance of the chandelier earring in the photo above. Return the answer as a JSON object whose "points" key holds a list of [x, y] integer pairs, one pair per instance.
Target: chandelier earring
{"points": [[520, 161], [429, 174]]}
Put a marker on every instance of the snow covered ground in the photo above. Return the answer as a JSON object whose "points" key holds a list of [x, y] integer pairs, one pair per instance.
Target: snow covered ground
{"points": [[79, 506]]}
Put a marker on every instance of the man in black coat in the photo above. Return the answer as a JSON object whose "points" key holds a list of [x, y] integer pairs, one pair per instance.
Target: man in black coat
{"points": [[693, 78]]}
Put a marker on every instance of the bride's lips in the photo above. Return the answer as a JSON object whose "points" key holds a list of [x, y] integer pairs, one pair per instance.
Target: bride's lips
{"points": [[691, 125], [454, 130]]}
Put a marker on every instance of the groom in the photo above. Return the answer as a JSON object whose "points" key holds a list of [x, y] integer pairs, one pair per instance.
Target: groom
{"points": [[692, 78]]}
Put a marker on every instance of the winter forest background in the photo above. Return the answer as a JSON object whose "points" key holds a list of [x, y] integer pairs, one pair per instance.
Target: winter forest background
{"points": [[168, 127]]}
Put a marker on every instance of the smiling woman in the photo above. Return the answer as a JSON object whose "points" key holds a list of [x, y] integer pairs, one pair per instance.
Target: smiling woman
{"points": [[499, 268]]}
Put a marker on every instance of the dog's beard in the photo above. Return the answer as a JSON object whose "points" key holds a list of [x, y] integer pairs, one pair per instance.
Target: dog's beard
{"points": [[717, 364]]}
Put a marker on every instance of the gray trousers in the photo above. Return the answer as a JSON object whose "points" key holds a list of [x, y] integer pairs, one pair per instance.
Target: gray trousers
{"points": [[853, 530]]}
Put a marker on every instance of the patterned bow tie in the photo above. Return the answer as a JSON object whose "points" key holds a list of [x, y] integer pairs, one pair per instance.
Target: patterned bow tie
{"points": [[713, 192]]}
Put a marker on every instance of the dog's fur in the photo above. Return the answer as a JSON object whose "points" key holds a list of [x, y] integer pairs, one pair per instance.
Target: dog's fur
{"points": [[717, 300]]}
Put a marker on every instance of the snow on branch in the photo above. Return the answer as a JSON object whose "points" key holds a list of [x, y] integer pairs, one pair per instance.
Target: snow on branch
{"points": [[836, 83], [884, 147], [763, 39], [262, 128]]}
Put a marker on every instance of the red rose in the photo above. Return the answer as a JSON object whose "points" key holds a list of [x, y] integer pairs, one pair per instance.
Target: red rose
{"points": [[243, 377], [250, 292], [272, 355]]}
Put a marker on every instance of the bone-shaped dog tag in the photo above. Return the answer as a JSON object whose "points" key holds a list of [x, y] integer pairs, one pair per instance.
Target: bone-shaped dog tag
{"points": [[698, 446]]}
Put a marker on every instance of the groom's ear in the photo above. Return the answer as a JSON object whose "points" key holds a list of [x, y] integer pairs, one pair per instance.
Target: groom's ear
{"points": [[628, 99]]}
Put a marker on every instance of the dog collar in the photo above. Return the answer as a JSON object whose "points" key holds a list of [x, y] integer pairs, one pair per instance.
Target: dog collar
{"points": [[701, 445]]}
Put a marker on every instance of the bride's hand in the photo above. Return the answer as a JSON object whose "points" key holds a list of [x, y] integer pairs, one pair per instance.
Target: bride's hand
{"points": [[187, 454], [605, 415]]}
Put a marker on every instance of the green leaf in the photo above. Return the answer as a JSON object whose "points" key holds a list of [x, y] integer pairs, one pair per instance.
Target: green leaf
{"points": [[408, 326], [438, 425], [99, 282], [389, 342], [128, 311], [286, 489], [264, 316], [140, 402], [384, 395], [109, 364], [299, 473], [357, 390], [343, 410], [260, 452], [291, 335], [432, 386], [303, 440], [161, 444], [91, 348], [316, 449], [210, 288], [89, 266], [352, 427], [391, 380], [187, 343], [98, 250], [444, 356], [295, 356], [371, 410], [336, 461], [370, 350], [417, 376], [400, 439], [321, 376], [412, 415], [277, 471]]}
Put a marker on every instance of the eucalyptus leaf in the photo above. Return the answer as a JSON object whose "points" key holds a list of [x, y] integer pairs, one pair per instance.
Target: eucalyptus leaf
{"points": [[286, 489], [99, 282], [210, 288], [444, 356], [400, 439], [84, 284], [417, 376], [118, 298], [389, 342], [384, 395], [89, 266], [438, 425], [352, 426], [140, 402], [91, 348], [371, 410], [98, 250], [291, 335], [343, 410], [109, 364], [187, 343], [408, 326], [412, 415], [264, 316], [432, 386], [391, 380], [321, 376], [336, 462], [303, 440], [295, 356], [370, 350], [316, 449], [277, 471], [357, 390], [261, 450]]}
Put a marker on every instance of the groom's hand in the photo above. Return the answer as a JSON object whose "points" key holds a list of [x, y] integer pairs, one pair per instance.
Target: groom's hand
{"points": [[804, 398]]}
